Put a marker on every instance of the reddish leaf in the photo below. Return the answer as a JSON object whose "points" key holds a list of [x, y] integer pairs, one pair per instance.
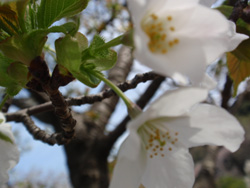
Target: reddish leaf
{"points": [[239, 69]]}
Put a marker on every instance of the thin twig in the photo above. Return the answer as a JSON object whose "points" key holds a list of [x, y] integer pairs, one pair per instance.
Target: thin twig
{"points": [[51, 139], [78, 101]]}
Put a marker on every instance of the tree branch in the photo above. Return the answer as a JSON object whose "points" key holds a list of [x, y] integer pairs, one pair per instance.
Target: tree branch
{"points": [[226, 93], [90, 99]]}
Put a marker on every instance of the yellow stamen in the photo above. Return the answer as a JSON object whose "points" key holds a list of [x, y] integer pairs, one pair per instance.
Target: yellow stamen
{"points": [[169, 18], [172, 29], [154, 16]]}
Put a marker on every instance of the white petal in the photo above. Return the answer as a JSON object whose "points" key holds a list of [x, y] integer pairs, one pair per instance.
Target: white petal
{"points": [[217, 35], [131, 147], [2, 117], [208, 125], [136, 7], [177, 102], [9, 154], [186, 58], [208, 82], [175, 170], [172, 104], [211, 33], [128, 171], [235, 38]]}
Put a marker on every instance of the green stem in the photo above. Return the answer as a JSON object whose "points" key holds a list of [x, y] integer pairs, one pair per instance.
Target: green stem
{"points": [[116, 41], [127, 101], [6, 97]]}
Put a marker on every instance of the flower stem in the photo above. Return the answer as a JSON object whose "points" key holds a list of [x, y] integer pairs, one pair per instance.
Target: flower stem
{"points": [[116, 41], [127, 101]]}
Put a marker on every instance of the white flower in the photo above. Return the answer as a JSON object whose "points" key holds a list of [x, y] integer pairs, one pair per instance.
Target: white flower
{"points": [[9, 154], [156, 151], [180, 36]]}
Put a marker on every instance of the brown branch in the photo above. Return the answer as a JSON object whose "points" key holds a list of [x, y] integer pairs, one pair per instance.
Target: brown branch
{"points": [[51, 139], [58, 102], [62, 111], [226, 93], [90, 99], [41, 81], [238, 10]]}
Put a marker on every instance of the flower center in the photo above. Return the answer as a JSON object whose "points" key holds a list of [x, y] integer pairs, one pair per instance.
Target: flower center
{"points": [[157, 138], [159, 31]]}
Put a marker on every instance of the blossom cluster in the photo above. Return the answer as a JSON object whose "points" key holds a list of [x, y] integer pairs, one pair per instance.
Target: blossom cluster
{"points": [[176, 37]]}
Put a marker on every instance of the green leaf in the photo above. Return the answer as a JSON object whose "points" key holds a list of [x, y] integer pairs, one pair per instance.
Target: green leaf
{"points": [[50, 11], [68, 51], [8, 18], [225, 9], [21, 9], [238, 63], [242, 52], [5, 137], [19, 72], [103, 63], [66, 28], [87, 78], [231, 182], [82, 41], [12, 16], [26, 47], [102, 58], [12, 86]]}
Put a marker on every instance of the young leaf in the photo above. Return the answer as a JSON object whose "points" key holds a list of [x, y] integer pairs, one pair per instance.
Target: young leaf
{"points": [[21, 9], [68, 51], [12, 86], [26, 47], [67, 28], [8, 18], [19, 72], [238, 63], [50, 11], [101, 58]]}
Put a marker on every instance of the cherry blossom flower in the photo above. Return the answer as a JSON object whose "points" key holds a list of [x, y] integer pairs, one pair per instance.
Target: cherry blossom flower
{"points": [[180, 36], [156, 151], [9, 154]]}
